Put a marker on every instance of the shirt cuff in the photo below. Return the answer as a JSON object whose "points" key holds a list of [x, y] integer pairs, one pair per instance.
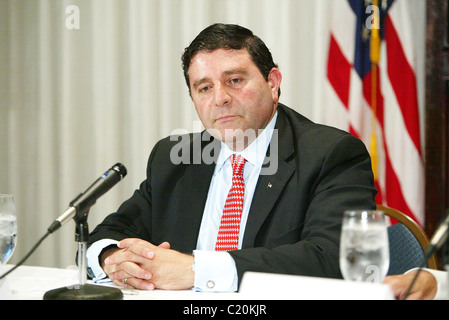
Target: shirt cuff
{"points": [[94, 269], [214, 271]]}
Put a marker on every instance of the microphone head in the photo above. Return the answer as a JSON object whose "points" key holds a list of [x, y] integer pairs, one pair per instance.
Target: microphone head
{"points": [[120, 169]]}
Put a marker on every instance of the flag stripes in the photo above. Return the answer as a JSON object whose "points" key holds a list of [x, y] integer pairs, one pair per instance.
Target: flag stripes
{"points": [[378, 101]]}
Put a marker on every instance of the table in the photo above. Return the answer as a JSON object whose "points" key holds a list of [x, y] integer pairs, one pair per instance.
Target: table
{"points": [[31, 283]]}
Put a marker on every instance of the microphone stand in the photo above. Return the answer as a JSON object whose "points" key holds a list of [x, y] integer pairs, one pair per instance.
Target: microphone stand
{"points": [[83, 291], [446, 265]]}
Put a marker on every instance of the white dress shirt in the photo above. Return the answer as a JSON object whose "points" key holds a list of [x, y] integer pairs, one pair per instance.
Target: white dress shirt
{"points": [[214, 271]]}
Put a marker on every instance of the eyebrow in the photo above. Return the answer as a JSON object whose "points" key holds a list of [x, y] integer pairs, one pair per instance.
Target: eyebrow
{"points": [[236, 71], [242, 71]]}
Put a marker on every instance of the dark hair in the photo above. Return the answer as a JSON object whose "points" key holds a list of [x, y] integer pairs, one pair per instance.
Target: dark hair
{"points": [[229, 36]]}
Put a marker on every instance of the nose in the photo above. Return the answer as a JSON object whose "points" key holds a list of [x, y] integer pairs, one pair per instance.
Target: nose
{"points": [[221, 96]]}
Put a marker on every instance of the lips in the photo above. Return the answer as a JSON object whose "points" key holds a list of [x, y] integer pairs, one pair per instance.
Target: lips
{"points": [[225, 118]]}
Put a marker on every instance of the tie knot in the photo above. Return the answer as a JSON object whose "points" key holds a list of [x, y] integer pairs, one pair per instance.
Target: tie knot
{"points": [[237, 163]]}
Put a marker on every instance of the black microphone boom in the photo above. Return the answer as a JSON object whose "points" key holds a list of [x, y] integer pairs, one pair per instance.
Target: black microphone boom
{"points": [[79, 206], [437, 240], [439, 237], [82, 203]]}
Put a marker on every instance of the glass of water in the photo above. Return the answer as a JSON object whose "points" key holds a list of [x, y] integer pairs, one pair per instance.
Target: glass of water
{"points": [[364, 250], [8, 227]]}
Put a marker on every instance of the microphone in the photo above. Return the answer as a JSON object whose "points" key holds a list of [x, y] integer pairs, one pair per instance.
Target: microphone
{"points": [[439, 237], [85, 200]]}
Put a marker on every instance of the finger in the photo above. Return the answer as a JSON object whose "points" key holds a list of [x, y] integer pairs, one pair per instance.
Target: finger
{"points": [[130, 269], [124, 256], [129, 242], [140, 284], [119, 275], [134, 283], [124, 283], [145, 249], [139, 247]]}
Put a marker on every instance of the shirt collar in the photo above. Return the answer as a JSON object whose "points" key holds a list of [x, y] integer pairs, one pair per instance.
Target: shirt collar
{"points": [[255, 153]]}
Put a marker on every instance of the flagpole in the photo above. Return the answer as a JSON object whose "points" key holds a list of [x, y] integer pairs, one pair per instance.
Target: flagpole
{"points": [[374, 57]]}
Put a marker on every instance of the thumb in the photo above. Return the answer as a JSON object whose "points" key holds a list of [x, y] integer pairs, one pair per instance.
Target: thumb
{"points": [[164, 245]]}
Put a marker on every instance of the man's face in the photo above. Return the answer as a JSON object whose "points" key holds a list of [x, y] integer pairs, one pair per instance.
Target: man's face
{"points": [[231, 95]]}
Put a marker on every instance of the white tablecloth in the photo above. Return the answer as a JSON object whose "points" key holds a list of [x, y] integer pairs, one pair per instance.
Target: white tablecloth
{"points": [[31, 283]]}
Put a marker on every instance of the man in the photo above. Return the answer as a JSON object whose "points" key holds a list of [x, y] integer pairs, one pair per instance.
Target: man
{"points": [[295, 180]]}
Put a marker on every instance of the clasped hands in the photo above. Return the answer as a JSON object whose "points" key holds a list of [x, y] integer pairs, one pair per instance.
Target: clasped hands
{"points": [[148, 267]]}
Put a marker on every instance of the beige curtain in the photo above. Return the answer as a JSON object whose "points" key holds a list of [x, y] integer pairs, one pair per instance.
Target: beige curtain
{"points": [[78, 95]]}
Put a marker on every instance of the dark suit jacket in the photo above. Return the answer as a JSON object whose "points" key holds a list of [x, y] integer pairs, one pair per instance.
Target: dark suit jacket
{"points": [[295, 218]]}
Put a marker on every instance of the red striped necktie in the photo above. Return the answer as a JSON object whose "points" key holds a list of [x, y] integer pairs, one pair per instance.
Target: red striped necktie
{"points": [[228, 234]]}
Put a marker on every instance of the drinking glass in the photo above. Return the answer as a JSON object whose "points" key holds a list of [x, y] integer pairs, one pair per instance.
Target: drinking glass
{"points": [[364, 251], [8, 227]]}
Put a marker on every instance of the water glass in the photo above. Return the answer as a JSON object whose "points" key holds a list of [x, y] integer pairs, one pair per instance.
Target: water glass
{"points": [[364, 250], [8, 227]]}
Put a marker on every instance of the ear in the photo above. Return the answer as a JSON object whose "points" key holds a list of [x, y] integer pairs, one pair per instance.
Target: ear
{"points": [[274, 81]]}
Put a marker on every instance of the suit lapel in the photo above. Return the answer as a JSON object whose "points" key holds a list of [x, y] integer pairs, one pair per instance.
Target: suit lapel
{"points": [[270, 186], [194, 187]]}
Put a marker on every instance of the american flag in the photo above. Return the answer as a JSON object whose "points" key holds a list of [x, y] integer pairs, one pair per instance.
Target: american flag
{"points": [[372, 93]]}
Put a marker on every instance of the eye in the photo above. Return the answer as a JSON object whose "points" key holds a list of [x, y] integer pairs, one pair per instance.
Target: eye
{"points": [[235, 81], [204, 89]]}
